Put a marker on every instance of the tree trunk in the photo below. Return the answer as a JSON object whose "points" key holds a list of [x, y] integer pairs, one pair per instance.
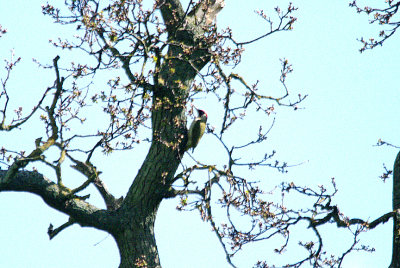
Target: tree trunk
{"points": [[396, 220], [136, 243]]}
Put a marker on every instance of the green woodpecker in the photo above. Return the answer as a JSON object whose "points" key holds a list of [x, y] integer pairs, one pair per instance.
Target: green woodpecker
{"points": [[196, 130]]}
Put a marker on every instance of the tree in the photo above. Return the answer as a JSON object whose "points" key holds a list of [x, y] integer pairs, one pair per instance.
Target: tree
{"points": [[169, 55]]}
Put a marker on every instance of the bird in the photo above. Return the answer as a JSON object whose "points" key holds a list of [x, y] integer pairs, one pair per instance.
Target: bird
{"points": [[196, 130]]}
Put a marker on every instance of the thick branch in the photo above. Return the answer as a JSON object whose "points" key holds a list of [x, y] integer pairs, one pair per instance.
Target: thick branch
{"points": [[206, 11], [396, 183], [396, 208], [172, 13], [58, 198]]}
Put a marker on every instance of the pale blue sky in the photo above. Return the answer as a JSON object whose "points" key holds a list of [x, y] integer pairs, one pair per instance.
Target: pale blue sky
{"points": [[353, 100]]}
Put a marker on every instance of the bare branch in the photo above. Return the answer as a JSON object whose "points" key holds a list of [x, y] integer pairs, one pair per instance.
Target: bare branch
{"points": [[15, 123], [53, 232], [381, 16], [285, 23]]}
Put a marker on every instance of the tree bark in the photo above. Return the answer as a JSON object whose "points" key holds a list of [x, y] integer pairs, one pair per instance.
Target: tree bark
{"points": [[136, 242], [396, 208]]}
